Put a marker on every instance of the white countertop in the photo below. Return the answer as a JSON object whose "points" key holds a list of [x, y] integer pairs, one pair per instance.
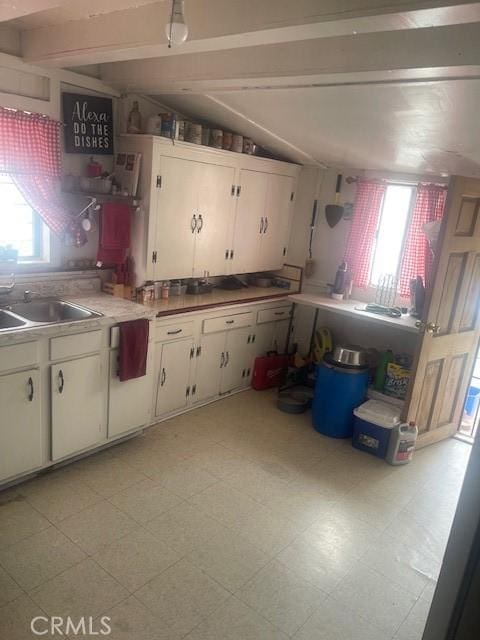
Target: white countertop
{"points": [[354, 309], [113, 310]]}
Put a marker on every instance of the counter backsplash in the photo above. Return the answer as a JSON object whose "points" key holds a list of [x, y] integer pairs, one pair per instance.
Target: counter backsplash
{"points": [[62, 283]]}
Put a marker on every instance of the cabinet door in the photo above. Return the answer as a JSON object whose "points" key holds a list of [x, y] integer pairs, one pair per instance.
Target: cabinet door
{"points": [[215, 212], [175, 222], [238, 358], [263, 338], [173, 360], [20, 423], [249, 221], [277, 222], [129, 402], [209, 366], [78, 405]]}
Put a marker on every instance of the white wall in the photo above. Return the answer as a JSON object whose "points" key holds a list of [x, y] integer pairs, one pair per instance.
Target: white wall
{"points": [[24, 86]]}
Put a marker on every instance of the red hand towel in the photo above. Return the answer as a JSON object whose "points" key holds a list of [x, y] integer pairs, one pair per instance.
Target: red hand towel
{"points": [[133, 349], [114, 239]]}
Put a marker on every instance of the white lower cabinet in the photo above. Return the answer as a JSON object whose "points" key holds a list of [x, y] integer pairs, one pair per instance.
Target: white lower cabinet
{"points": [[20, 423], [208, 370], [238, 359], [129, 402], [222, 363], [173, 365], [78, 405]]}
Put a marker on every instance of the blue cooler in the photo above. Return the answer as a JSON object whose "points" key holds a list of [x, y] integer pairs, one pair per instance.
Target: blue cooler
{"points": [[372, 426], [338, 391]]}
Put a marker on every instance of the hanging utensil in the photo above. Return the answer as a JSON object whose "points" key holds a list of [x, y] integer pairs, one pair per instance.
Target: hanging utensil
{"points": [[334, 212], [309, 262]]}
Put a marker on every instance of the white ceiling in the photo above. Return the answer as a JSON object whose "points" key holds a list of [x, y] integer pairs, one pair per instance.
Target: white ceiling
{"points": [[373, 84], [414, 127]]}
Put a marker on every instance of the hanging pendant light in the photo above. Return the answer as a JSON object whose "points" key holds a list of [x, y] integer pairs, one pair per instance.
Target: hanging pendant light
{"points": [[176, 29]]}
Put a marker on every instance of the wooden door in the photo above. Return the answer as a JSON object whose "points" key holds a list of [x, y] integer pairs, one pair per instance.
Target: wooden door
{"points": [[276, 226], [174, 360], [249, 221], [209, 365], [78, 405], [20, 423], [129, 402], [237, 360], [451, 324], [215, 212], [176, 218]]}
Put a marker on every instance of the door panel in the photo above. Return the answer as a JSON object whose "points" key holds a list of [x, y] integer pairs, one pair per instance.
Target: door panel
{"points": [[249, 221], [446, 352], [238, 358], [215, 212], [277, 225], [177, 204], [129, 402], [78, 397], [173, 375], [208, 365], [20, 423]]}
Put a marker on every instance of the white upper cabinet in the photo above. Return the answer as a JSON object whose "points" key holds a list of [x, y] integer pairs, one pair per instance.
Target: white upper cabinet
{"points": [[207, 211], [214, 220], [277, 219], [249, 220], [176, 219]]}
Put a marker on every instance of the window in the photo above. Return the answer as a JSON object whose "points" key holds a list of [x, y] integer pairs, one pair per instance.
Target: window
{"points": [[20, 226], [391, 231]]}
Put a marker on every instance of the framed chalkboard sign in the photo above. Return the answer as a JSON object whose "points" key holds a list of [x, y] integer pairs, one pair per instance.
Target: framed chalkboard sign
{"points": [[88, 124]]}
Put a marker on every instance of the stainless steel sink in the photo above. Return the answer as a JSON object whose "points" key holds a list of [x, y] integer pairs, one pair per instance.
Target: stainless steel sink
{"points": [[9, 321], [49, 310]]}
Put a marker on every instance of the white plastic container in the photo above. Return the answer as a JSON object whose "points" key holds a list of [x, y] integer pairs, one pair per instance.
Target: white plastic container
{"points": [[402, 443]]}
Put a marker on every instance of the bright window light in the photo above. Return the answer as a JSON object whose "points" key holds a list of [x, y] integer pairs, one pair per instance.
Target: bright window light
{"points": [[20, 226], [390, 235]]}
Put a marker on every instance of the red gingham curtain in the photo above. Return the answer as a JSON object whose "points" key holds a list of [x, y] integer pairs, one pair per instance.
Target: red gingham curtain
{"points": [[361, 239], [30, 154], [417, 257]]}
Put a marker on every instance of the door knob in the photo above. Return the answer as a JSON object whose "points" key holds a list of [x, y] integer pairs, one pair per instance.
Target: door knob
{"points": [[428, 327]]}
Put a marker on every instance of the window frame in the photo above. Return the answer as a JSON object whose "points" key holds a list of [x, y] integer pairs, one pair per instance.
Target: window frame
{"points": [[40, 237], [408, 222]]}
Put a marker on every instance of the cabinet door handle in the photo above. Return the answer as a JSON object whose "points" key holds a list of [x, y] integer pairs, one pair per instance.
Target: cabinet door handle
{"points": [[61, 381], [222, 359], [193, 223], [30, 391], [163, 377], [229, 321], [174, 333], [279, 313], [261, 224], [200, 223], [266, 225], [227, 358]]}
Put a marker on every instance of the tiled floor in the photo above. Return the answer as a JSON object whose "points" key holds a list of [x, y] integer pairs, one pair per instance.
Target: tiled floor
{"points": [[232, 522]]}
